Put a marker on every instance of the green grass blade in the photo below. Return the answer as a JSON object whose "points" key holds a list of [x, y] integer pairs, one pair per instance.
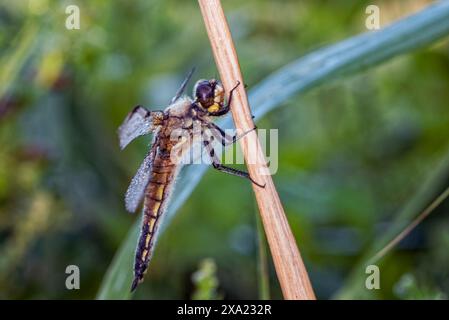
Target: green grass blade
{"points": [[11, 64], [344, 58], [354, 287]]}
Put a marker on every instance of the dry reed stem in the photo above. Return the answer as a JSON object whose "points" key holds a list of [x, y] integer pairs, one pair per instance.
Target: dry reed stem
{"points": [[290, 269]]}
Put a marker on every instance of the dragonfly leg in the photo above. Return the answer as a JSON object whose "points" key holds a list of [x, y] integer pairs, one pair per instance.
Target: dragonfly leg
{"points": [[224, 138], [228, 104], [220, 167]]}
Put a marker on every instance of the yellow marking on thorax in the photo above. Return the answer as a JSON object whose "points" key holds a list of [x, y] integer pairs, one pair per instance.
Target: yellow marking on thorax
{"points": [[214, 108]]}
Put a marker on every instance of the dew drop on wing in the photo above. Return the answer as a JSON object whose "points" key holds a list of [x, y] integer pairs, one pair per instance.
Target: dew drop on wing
{"points": [[136, 124], [136, 189]]}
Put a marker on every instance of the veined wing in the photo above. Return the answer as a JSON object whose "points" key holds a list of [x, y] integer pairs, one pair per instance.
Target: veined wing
{"points": [[138, 122], [136, 189], [182, 87]]}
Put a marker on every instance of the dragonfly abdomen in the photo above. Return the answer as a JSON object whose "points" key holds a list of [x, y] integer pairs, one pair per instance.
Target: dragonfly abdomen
{"points": [[156, 197]]}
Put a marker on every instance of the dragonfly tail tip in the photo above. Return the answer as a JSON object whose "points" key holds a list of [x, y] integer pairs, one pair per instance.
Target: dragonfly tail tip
{"points": [[134, 284]]}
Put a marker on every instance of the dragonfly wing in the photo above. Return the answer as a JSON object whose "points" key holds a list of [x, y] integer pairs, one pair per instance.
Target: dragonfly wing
{"points": [[136, 189], [182, 87], [138, 122]]}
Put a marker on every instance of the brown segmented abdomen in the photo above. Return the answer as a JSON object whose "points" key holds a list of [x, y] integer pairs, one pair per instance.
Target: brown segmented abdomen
{"points": [[157, 192]]}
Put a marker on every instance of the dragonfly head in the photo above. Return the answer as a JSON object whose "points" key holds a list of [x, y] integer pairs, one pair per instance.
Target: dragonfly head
{"points": [[209, 95]]}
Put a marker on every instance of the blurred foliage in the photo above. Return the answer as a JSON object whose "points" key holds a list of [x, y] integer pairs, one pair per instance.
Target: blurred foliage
{"points": [[205, 281], [407, 288], [352, 152]]}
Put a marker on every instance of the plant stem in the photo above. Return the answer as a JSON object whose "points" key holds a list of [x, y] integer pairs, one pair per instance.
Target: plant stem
{"points": [[262, 262], [290, 269]]}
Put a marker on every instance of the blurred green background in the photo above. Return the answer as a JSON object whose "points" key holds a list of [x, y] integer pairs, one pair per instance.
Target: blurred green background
{"points": [[352, 152]]}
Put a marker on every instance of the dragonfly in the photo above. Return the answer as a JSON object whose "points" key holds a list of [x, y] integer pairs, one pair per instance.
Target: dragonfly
{"points": [[155, 179]]}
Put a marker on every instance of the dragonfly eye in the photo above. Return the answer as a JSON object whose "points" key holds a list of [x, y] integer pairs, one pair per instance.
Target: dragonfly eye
{"points": [[205, 93]]}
